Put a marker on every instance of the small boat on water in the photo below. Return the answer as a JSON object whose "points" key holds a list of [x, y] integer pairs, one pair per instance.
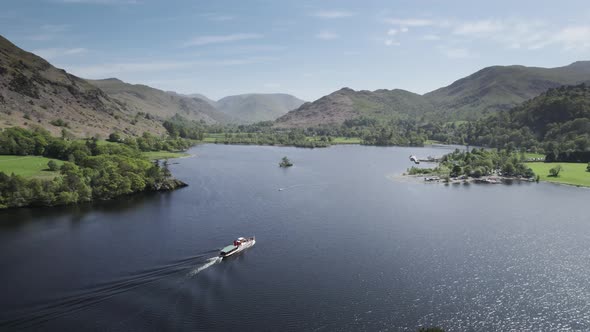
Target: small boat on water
{"points": [[238, 245]]}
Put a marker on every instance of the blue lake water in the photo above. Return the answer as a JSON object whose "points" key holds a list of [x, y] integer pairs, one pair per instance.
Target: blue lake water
{"points": [[344, 246]]}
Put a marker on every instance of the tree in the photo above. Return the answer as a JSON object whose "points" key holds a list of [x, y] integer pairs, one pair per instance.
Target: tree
{"points": [[114, 137], [52, 165], [285, 162], [554, 172]]}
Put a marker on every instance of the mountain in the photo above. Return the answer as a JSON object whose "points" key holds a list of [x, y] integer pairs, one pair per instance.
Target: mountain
{"points": [[250, 108], [558, 119], [205, 98], [500, 88], [158, 103], [33, 92], [347, 104]]}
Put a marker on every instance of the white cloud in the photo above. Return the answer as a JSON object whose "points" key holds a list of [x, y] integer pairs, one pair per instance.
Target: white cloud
{"points": [[478, 28], [430, 37], [392, 32], [456, 53], [140, 67], [573, 37], [391, 42], [511, 33], [326, 35], [331, 14], [205, 40], [53, 53], [410, 22]]}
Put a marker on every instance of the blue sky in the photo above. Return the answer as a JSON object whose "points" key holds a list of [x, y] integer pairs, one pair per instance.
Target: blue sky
{"points": [[305, 48]]}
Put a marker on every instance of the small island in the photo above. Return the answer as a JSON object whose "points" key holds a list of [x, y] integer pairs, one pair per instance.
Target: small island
{"points": [[285, 162], [478, 165]]}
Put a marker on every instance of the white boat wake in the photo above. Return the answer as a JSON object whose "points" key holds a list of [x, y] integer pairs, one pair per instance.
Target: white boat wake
{"points": [[210, 262]]}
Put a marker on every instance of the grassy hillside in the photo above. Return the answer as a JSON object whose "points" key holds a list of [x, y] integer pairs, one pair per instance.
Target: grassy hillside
{"points": [[557, 120], [158, 103], [33, 92], [347, 104], [500, 88], [250, 108], [28, 166]]}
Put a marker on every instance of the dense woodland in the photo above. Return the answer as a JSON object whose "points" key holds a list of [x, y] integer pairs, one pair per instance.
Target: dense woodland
{"points": [[91, 171], [556, 121]]}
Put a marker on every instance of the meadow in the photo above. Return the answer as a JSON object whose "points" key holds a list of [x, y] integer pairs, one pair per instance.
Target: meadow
{"points": [[571, 173]]}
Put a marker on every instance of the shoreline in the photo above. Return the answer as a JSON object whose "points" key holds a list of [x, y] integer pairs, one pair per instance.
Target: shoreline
{"points": [[492, 179]]}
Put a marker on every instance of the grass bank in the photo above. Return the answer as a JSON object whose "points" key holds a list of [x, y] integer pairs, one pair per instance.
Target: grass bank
{"points": [[153, 155], [28, 166], [571, 173]]}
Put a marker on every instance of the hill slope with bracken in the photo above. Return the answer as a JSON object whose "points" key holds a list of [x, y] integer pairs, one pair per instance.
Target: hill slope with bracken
{"points": [[346, 104], [158, 103], [33, 92], [500, 88]]}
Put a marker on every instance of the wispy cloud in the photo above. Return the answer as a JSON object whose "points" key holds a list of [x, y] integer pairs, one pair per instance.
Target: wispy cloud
{"points": [[410, 22], [54, 53], [100, 2], [456, 52], [327, 35], [332, 14], [391, 42], [431, 37], [206, 40], [511, 33], [141, 67], [49, 32]]}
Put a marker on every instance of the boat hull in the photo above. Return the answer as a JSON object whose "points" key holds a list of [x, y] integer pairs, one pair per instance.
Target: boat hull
{"points": [[238, 249]]}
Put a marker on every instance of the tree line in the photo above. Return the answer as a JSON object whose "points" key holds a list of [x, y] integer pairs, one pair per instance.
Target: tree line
{"points": [[91, 171]]}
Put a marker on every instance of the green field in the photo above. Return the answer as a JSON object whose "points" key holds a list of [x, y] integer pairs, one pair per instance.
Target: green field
{"points": [[153, 155], [530, 155], [338, 140], [346, 140], [572, 173], [28, 166]]}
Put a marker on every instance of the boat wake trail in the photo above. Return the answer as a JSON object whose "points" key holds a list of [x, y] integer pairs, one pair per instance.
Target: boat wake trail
{"points": [[210, 262], [40, 313]]}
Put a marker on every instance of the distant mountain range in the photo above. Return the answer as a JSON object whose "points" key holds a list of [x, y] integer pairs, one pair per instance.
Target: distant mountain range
{"points": [[250, 108], [489, 90], [33, 92], [160, 104]]}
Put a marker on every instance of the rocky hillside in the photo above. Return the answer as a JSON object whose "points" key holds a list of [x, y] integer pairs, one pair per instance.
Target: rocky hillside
{"points": [[250, 108], [33, 92], [347, 104], [158, 103], [500, 88]]}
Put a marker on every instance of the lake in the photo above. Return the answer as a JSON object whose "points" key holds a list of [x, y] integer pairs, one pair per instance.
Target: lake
{"points": [[341, 247]]}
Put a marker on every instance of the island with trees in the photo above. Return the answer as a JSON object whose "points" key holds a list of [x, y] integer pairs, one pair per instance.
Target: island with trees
{"points": [[477, 165], [285, 162]]}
